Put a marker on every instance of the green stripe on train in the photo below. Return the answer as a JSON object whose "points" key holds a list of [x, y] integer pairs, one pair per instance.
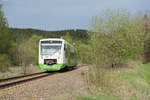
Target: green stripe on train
{"points": [[51, 67]]}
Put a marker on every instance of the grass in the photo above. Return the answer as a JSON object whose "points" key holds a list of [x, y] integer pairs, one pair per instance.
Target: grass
{"points": [[137, 82], [140, 79], [146, 72], [8, 74], [105, 96], [133, 83], [17, 70]]}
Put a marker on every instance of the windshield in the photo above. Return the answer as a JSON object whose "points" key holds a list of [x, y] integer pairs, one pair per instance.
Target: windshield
{"points": [[50, 49]]}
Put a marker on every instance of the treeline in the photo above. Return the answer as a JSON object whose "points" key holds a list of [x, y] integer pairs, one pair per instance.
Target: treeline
{"points": [[78, 34]]}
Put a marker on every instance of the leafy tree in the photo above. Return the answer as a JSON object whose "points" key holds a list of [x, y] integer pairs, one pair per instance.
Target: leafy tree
{"points": [[84, 52], [80, 47], [33, 44], [118, 37], [146, 23], [68, 38], [4, 42], [4, 33]]}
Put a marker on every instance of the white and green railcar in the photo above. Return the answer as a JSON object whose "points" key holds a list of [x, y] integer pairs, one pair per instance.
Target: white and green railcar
{"points": [[55, 54]]}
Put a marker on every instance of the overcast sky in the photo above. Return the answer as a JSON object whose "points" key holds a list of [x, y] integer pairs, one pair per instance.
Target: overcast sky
{"points": [[62, 14]]}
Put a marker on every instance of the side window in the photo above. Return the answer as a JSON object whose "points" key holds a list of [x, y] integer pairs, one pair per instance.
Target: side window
{"points": [[65, 47]]}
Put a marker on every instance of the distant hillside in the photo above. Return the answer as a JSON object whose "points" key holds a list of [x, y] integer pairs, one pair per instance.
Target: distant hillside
{"points": [[78, 34]]}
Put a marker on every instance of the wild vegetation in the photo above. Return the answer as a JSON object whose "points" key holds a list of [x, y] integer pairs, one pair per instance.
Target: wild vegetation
{"points": [[117, 40], [112, 48]]}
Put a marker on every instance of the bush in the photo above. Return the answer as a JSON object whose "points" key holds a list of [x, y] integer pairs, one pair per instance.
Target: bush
{"points": [[84, 53], [97, 77], [4, 62], [83, 50]]}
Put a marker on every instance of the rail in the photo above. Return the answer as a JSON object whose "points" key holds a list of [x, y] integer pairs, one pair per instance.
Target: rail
{"points": [[23, 78]]}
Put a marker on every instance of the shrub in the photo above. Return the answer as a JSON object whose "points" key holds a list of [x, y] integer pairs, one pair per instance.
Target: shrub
{"points": [[4, 62], [84, 53]]}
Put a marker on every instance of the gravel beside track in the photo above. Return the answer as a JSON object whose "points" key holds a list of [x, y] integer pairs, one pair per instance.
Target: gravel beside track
{"points": [[60, 86]]}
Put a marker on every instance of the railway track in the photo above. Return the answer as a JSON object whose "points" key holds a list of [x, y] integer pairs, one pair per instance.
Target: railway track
{"points": [[4, 83]]}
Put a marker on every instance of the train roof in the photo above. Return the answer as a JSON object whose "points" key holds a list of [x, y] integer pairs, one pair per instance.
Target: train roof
{"points": [[57, 39], [52, 39]]}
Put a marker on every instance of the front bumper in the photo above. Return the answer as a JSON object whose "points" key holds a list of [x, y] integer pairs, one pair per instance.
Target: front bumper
{"points": [[54, 67]]}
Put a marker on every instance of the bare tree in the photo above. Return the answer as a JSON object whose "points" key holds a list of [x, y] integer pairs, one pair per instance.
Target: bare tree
{"points": [[27, 52]]}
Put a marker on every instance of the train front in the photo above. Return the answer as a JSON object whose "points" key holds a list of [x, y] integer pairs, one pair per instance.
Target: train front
{"points": [[51, 54]]}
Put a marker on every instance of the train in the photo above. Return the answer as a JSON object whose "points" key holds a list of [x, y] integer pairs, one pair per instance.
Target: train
{"points": [[56, 54]]}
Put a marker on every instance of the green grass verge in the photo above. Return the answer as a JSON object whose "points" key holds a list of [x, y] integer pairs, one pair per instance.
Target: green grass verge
{"points": [[105, 96], [6, 75], [135, 79], [139, 79]]}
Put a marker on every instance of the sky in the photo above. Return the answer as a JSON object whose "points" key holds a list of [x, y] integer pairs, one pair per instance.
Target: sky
{"points": [[63, 14]]}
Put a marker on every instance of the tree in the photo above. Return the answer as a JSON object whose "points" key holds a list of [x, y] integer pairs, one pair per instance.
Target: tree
{"points": [[146, 22], [117, 37], [4, 42], [27, 52], [4, 33], [68, 38]]}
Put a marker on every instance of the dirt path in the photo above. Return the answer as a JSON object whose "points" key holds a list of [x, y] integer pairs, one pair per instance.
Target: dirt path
{"points": [[61, 86]]}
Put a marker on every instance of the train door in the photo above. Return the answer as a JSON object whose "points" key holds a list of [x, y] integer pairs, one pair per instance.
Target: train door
{"points": [[65, 54]]}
